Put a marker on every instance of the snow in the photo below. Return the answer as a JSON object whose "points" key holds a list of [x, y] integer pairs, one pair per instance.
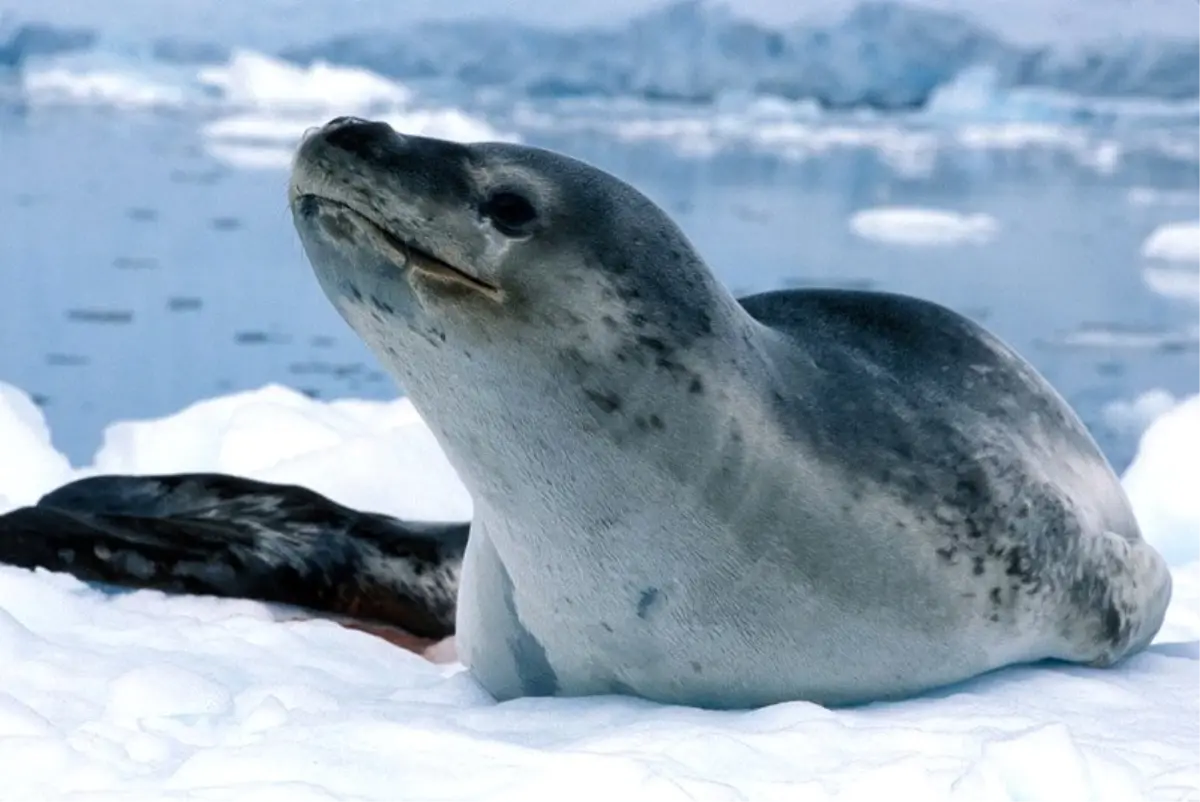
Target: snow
{"points": [[913, 226], [137, 695], [29, 464], [366, 454], [1162, 482]]}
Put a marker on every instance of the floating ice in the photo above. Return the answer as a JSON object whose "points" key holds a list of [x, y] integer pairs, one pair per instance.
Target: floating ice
{"points": [[1174, 242], [254, 80], [1172, 266], [1134, 416], [900, 225], [268, 142], [121, 88], [266, 103], [288, 99]]}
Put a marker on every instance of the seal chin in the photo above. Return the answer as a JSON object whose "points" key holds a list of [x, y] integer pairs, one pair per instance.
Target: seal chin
{"points": [[405, 254]]}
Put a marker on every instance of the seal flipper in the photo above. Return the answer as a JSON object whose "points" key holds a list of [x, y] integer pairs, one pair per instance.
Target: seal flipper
{"points": [[219, 535]]}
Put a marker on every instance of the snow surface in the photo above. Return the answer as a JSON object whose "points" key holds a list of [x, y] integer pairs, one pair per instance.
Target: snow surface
{"points": [[137, 695], [908, 225]]}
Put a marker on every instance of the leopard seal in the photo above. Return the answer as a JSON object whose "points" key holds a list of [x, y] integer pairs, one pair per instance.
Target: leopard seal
{"points": [[824, 495]]}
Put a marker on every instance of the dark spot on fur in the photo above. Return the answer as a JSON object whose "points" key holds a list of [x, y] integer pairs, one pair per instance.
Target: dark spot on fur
{"points": [[606, 402], [653, 343], [1112, 623], [646, 602], [947, 553], [696, 387], [977, 563], [609, 321], [696, 667], [534, 671], [1019, 563], [994, 596], [382, 306], [607, 626]]}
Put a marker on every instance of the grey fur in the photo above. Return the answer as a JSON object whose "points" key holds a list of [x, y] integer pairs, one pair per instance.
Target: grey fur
{"points": [[826, 495]]}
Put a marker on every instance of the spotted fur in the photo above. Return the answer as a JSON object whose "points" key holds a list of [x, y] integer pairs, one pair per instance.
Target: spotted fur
{"points": [[810, 494], [232, 537]]}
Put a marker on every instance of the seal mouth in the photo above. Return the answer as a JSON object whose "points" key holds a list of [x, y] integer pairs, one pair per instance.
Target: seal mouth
{"points": [[407, 255]]}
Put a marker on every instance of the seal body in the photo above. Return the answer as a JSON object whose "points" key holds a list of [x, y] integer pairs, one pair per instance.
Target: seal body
{"points": [[823, 495]]}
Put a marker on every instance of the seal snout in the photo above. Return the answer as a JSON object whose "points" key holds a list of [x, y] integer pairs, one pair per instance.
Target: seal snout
{"points": [[365, 139]]}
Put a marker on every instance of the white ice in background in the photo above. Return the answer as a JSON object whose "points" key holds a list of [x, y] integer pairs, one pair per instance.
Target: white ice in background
{"points": [[266, 103], [1149, 196], [1171, 260], [914, 226], [114, 86], [284, 100], [268, 141], [1174, 242], [253, 80], [1134, 416], [145, 696]]}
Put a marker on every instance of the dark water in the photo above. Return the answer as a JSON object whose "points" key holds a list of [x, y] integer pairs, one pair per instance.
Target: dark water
{"points": [[138, 274]]}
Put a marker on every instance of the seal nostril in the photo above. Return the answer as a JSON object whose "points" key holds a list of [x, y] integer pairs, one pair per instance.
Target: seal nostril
{"points": [[363, 138]]}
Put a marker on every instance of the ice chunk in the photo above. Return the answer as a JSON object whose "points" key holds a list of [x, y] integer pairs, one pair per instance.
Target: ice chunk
{"points": [[901, 225]]}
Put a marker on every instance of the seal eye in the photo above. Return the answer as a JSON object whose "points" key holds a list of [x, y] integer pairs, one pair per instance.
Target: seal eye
{"points": [[509, 212]]}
